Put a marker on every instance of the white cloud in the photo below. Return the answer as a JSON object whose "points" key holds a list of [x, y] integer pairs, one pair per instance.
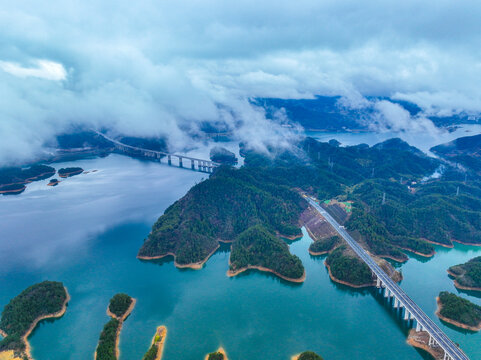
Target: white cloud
{"points": [[44, 69], [160, 67]]}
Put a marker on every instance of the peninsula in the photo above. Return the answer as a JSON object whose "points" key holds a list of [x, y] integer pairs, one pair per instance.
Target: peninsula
{"points": [[21, 315], [468, 275], [458, 311], [220, 354], [157, 347], [120, 307], [307, 355]]}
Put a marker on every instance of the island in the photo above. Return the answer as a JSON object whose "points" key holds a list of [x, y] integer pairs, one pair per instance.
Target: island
{"points": [[458, 311], [53, 182], [120, 307], [220, 354], [307, 355], [13, 180], [21, 315], [468, 275], [257, 248], [157, 347], [69, 172]]}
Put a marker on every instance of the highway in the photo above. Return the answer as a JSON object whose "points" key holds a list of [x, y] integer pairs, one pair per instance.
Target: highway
{"points": [[426, 324]]}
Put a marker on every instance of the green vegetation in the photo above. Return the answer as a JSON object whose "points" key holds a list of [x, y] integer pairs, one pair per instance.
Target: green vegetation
{"points": [[459, 309], [417, 209], [324, 245], [151, 354], [20, 313], [216, 356], [106, 349], [13, 179], [464, 151], [222, 207], [309, 355], [347, 267], [119, 304], [258, 247], [468, 274], [70, 171]]}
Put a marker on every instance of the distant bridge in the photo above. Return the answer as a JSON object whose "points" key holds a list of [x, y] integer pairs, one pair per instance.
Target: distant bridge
{"points": [[202, 165], [437, 338]]}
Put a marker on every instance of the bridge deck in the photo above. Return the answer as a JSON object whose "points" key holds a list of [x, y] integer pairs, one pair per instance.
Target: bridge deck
{"points": [[423, 320]]}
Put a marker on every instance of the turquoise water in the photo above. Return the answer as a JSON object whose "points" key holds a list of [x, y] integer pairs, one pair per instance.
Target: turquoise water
{"points": [[86, 233]]}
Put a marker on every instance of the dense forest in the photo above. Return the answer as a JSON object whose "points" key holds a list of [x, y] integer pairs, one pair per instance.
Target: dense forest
{"points": [[107, 341], [324, 245], [463, 151], [346, 267], [309, 355], [21, 312], [400, 201], [468, 274], [119, 304], [151, 354], [15, 178], [70, 171], [256, 246], [459, 309], [222, 207]]}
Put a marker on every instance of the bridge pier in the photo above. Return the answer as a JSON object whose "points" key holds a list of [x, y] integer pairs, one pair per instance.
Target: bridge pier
{"points": [[169, 159], [407, 314], [192, 166], [396, 303], [180, 162], [378, 283]]}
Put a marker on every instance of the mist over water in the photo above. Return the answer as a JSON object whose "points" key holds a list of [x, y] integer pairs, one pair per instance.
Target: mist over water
{"points": [[86, 232]]}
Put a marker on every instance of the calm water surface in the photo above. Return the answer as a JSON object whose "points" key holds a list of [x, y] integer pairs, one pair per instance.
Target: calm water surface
{"points": [[87, 231]]}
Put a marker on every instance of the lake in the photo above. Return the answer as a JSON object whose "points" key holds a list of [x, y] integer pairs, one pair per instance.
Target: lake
{"points": [[86, 233]]}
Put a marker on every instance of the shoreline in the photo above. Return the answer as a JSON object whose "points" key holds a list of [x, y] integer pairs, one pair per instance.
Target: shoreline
{"points": [[402, 261], [418, 253], [436, 243], [56, 315], [121, 324], [194, 266], [459, 286], [231, 273], [161, 331], [454, 322], [436, 353], [219, 350], [333, 278]]}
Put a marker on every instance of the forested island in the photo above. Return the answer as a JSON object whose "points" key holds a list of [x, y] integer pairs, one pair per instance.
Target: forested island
{"points": [[468, 275], [70, 171], [220, 354], [41, 301], [13, 180], [53, 182], [389, 201], [222, 155], [458, 311], [257, 248], [120, 307]]}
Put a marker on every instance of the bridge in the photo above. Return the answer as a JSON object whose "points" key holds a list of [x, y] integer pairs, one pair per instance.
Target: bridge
{"points": [[201, 165], [437, 338]]}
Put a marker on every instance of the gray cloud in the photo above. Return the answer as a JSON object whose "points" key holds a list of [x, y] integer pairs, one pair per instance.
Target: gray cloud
{"points": [[158, 67]]}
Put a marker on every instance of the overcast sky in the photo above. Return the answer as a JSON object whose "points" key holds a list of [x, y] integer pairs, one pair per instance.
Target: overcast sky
{"points": [[156, 67]]}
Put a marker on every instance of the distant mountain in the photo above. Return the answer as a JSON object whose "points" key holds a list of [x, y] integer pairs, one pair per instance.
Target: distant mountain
{"points": [[465, 151], [328, 113]]}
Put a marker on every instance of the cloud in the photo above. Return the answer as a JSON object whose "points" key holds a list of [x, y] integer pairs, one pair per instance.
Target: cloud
{"points": [[45, 69], [163, 68]]}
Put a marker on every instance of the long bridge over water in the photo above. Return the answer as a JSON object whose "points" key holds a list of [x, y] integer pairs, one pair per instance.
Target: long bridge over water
{"points": [[437, 338], [207, 166]]}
